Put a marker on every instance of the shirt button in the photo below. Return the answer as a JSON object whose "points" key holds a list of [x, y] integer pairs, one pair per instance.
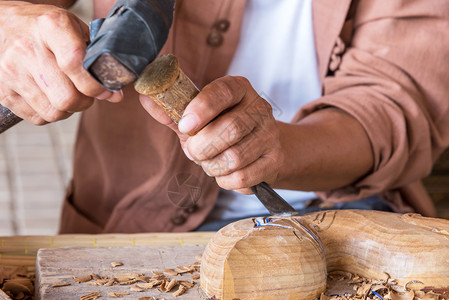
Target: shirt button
{"points": [[178, 219], [191, 209], [222, 25], [215, 39]]}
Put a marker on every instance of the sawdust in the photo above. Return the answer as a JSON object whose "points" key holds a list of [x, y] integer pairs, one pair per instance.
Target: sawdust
{"points": [[163, 282], [347, 286], [17, 282]]}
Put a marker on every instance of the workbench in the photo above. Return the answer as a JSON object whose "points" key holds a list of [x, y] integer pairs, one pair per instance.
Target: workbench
{"points": [[22, 250], [18, 251]]}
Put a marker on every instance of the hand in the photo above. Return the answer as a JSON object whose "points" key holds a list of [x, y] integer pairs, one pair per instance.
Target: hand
{"points": [[42, 48], [237, 139]]}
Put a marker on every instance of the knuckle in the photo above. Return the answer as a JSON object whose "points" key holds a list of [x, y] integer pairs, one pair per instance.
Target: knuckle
{"points": [[237, 128], [72, 60], [232, 158], [37, 120], [55, 17], [22, 45], [241, 80], [265, 107], [52, 115], [67, 101], [7, 66], [222, 90]]}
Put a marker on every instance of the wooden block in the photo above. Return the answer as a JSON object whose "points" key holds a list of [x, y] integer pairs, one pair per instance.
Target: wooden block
{"points": [[61, 264]]}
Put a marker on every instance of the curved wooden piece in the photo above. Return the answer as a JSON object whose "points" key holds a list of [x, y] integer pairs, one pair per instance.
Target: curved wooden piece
{"points": [[372, 243], [256, 258], [247, 261]]}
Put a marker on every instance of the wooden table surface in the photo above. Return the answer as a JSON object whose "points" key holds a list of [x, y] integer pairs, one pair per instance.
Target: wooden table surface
{"points": [[22, 250]]}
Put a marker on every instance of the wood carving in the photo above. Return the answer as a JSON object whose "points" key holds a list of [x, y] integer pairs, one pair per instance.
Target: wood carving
{"points": [[276, 258]]}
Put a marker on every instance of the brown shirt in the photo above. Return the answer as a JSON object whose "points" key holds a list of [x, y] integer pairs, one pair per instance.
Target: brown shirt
{"points": [[384, 62]]}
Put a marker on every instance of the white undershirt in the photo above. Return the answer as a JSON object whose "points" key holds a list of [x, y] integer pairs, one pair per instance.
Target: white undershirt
{"points": [[277, 54]]}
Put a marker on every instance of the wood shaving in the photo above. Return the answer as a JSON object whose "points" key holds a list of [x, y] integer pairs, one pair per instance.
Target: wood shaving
{"points": [[129, 282], [19, 285], [171, 285], [181, 290], [127, 277], [84, 278], [190, 269], [117, 295], [195, 276], [115, 264], [196, 264], [159, 277], [59, 284], [111, 282], [149, 285], [162, 286], [16, 282], [363, 288], [170, 272], [143, 278], [136, 288], [187, 284], [96, 276], [90, 296], [163, 282]]}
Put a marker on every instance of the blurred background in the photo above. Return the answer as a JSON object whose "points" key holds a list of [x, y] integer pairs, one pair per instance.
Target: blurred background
{"points": [[36, 166]]}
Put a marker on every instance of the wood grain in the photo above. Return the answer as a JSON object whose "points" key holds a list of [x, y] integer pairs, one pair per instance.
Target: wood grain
{"points": [[60, 265], [243, 258]]}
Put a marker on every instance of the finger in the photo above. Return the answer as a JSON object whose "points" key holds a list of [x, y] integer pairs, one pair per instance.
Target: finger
{"points": [[157, 112], [57, 87], [215, 98], [244, 191], [115, 97], [237, 157], [224, 132], [20, 108], [260, 170], [68, 44], [38, 101]]}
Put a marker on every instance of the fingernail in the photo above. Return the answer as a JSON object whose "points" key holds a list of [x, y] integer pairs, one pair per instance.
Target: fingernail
{"points": [[187, 153], [116, 97], [105, 95], [188, 123]]}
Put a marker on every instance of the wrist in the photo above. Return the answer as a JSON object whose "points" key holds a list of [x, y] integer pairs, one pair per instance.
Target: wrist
{"points": [[326, 150]]}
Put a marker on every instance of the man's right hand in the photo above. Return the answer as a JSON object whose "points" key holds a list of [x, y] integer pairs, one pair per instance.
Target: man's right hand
{"points": [[42, 48]]}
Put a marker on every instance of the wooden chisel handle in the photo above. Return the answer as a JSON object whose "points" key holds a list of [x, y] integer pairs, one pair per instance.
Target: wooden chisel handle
{"points": [[170, 88], [165, 82], [7, 119]]}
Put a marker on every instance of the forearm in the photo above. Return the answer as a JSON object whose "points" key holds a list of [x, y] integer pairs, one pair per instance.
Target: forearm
{"points": [[328, 149]]}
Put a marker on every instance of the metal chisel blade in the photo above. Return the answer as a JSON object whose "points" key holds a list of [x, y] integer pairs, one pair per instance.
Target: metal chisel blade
{"points": [[274, 203]]}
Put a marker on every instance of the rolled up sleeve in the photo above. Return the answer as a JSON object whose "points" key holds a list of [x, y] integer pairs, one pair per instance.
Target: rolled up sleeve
{"points": [[394, 79]]}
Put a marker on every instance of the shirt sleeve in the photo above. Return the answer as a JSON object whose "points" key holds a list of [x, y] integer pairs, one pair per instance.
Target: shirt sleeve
{"points": [[394, 79]]}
